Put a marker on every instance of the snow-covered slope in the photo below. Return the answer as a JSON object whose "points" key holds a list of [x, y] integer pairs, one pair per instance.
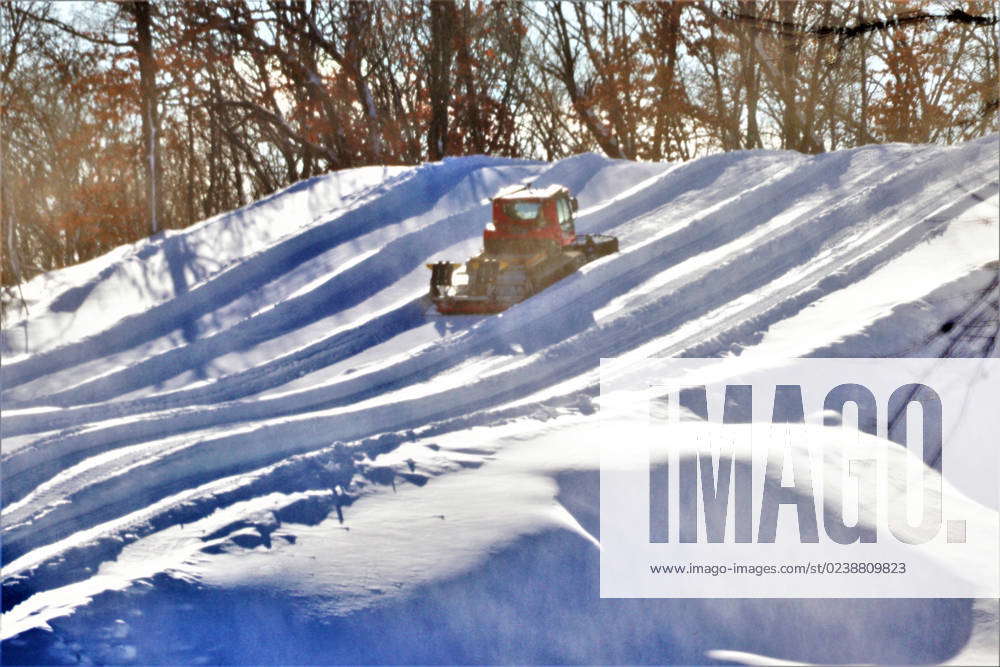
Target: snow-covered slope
{"points": [[250, 440]]}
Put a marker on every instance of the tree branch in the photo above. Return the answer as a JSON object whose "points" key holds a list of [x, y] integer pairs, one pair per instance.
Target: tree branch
{"points": [[73, 31]]}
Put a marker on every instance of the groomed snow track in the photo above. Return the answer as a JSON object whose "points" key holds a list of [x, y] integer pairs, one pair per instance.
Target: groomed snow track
{"points": [[136, 398]]}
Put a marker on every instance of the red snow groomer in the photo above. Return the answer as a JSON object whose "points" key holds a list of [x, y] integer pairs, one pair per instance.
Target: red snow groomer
{"points": [[530, 244]]}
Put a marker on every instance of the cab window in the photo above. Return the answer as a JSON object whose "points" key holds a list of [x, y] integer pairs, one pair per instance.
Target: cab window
{"points": [[522, 210], [565, 216]]}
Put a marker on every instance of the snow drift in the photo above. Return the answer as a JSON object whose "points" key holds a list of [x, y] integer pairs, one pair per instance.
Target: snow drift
{"points": [[252, 440]]}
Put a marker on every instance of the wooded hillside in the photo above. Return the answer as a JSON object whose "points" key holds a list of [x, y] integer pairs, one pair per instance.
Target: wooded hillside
{"points": [[123, 119]]}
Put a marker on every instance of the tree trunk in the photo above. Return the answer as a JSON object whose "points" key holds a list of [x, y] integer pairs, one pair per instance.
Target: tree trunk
{"points": [[790, 126], [150, 116], [669, 101], [471, 117], [567, 73], [863, 137], [750, 74], [439, 76]]}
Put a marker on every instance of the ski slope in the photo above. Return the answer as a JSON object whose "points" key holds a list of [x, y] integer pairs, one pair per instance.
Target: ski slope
{"points": [[260, 418]]}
